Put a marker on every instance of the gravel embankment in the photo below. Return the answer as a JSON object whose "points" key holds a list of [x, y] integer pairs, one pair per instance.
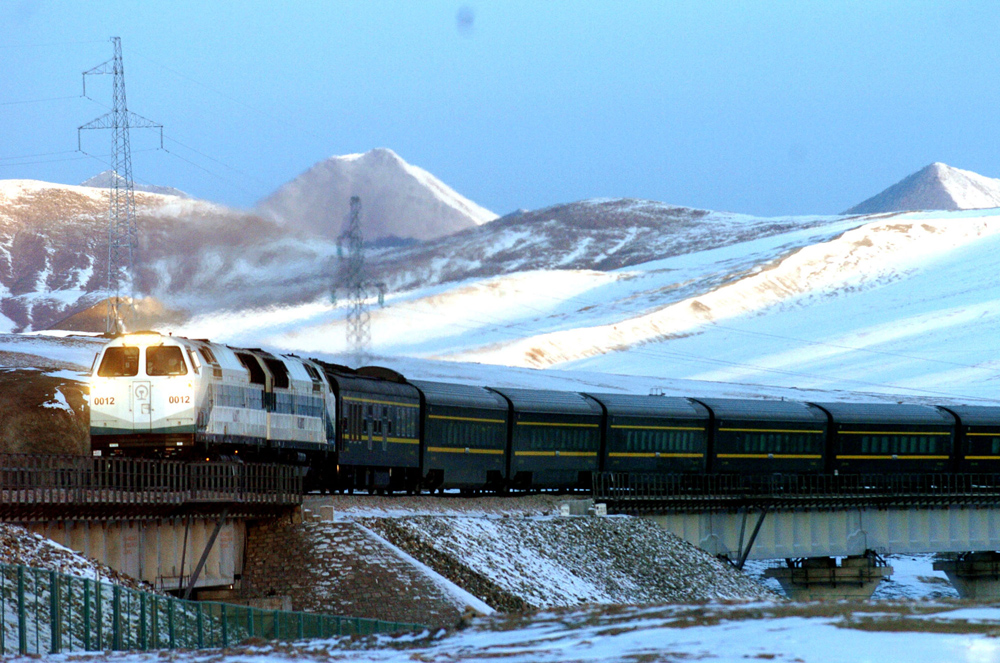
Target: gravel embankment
{"points": [[543, 562], [18, 546]]}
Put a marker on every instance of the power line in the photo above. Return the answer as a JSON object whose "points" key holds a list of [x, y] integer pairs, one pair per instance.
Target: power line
{"points": [[38, 101], [40, 154], [54, 43], [30, 163], [232, 98], [210, 172], [221, 163]]}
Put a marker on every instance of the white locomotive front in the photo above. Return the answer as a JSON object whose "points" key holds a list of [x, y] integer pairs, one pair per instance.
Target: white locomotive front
{"points": [[157, 395], [145, 391]]}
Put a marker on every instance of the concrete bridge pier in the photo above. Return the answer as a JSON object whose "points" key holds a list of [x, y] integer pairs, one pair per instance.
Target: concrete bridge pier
{"points": [[976, 575], [819, 578]]}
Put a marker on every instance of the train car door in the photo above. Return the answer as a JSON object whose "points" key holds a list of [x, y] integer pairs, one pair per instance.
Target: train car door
{"points": [[142, 406]]}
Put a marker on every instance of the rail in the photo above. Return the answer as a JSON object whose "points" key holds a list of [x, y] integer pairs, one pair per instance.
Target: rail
{"points": [[35, 484], [625, 492], [46, 612]]}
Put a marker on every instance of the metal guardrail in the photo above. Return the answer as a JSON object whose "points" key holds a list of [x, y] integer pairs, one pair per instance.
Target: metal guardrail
{"points": [[645, 492], [46, 612], [34, 484]]}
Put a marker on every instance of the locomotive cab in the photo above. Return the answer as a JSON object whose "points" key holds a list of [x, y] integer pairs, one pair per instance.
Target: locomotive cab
{"points": [[143, 395]]}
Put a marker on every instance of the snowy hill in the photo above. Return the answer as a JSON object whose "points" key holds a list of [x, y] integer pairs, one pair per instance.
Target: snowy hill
{"points": [[398, 200], [103, 181], [898, 305], [935, 187], [193, 255], [600, 234]]}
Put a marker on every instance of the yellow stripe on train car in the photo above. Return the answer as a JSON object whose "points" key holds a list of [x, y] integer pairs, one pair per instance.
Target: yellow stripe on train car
{"points": [[891, 432], [572, 454], [891, 457], [473, 419], [464, 450], [377, 402], [550, 423], [779, 456], [653, 454], [658, 427], [769, 430]]}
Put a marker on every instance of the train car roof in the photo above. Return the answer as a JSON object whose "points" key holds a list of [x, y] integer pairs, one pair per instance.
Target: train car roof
{"points": [[357, 383], [634, 405], [887, 413], [977, 415], [460, 395], [738, 408], [542, 401]]}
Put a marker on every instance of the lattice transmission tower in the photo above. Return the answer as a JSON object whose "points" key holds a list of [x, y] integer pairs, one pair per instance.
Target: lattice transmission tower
{"points": [[123, 234], [353, 283]]}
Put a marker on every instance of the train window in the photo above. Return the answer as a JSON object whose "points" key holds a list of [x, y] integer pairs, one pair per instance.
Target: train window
{"points": [[313, 373], [253, 366], [119, 362], [165, 360], [195, 364], [207, 354], [278, 371]]}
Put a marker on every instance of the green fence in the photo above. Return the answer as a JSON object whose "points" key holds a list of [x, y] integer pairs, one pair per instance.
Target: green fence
{"points": [[50, 612]]}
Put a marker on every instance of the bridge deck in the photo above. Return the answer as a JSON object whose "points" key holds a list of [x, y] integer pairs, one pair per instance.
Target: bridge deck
{"points": [[663, 493], [40, 487]]}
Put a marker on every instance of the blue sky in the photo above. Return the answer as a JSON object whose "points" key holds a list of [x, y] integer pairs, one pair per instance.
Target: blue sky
{"points": [[760, 107]]}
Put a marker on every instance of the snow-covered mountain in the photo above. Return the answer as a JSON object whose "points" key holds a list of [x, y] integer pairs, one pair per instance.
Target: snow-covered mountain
{"points": [[398, 200], [103, 180], [935, 187]]}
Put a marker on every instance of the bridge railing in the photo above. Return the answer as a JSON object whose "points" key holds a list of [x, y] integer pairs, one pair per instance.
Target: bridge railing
{"points": [[722, 489], [47, 612], [28, 479]]}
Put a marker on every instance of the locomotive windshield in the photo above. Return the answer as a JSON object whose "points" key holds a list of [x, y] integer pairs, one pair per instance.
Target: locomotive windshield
{"points": [[165, 360], [120, 362]]}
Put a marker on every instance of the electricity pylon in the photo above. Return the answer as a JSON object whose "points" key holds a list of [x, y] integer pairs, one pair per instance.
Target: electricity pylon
{"points": [[123, 235], [353, 283]]}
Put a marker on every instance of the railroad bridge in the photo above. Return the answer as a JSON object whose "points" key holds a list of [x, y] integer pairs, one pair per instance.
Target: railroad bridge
{"points": [[809, 520], [176, 525], [182, 526]]}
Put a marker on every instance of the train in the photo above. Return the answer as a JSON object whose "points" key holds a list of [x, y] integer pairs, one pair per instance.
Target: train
{"points": [[371, 429]]}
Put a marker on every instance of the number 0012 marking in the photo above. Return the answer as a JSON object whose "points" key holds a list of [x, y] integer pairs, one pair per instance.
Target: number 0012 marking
{"points": [[179, 399], [104, 400]]}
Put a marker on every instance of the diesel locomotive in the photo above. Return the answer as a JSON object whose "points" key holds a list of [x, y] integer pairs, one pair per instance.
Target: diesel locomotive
{"points": [[156, 395]]}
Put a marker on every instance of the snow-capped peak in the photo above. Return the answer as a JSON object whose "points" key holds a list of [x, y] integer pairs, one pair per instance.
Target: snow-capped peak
{"points": [[935, 187], [398, 199]]}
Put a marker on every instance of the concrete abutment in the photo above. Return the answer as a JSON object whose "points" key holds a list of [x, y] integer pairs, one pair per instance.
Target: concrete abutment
{"points": [[976, 575], [820, 578]]}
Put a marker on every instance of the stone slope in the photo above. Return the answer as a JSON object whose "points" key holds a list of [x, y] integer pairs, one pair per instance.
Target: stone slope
{"points": [[565, 561]]}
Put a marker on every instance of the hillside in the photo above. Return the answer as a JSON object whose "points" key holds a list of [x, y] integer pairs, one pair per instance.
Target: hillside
{"points": [[193, 255], [934, 187], [399, 201]]}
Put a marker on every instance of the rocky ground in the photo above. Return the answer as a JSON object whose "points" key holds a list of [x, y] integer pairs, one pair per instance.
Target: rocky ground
{"points": [[18, 546]]}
